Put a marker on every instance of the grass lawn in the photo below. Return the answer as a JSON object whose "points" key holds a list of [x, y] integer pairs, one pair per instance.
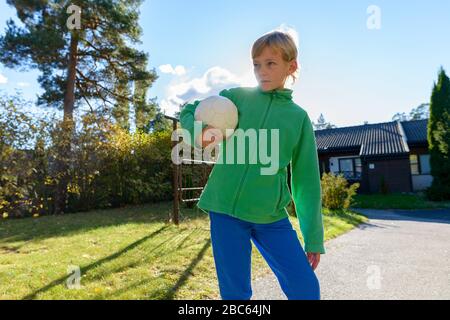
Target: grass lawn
{"points": [[126, 253], [397, 201]]}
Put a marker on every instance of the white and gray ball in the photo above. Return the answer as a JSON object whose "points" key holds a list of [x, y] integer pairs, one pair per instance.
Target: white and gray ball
{"points": [[218, 112]]}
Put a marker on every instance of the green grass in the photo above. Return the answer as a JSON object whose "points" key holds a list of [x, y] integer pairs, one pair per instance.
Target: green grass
{"points": [[397, 201], [127, 253]]}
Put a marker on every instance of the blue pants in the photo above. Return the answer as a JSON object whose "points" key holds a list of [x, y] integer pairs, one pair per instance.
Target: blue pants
{"points": [[278, 244]]}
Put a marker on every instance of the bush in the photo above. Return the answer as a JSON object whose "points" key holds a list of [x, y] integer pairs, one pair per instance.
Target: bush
{"points": [[335, 191], [106, 166], [120, 168], [22, 165]]}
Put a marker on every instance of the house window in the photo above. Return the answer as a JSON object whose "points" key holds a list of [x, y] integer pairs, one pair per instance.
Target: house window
{"points": [[414, 164], [350, 167], [346, 165], [425, 164]]}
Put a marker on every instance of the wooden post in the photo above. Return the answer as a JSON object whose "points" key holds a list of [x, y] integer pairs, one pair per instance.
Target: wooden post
{"points": [[175, 186], [177, 179], [176, 197]]}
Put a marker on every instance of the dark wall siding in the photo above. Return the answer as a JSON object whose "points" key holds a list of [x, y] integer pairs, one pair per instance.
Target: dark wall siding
{"points": [[396, 172]]}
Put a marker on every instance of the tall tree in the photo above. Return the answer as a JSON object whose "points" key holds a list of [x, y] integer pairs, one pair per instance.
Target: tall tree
{"points": [[144, 110], [121, 109], [400, 116], [322, 124], [159, 123], [439, 138], [421, 112], [82, 49]]}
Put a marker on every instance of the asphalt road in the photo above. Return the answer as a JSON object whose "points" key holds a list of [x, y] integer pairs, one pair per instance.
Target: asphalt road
{"points": [[397, 254]]}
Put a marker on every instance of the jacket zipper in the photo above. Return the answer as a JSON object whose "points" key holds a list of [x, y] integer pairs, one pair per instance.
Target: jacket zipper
{"points": [[246, 167]]}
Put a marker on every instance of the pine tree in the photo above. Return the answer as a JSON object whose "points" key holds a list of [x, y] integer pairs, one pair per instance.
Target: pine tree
{"points": [[439, 139], [322, 124], [121, 110], [79, 62]]}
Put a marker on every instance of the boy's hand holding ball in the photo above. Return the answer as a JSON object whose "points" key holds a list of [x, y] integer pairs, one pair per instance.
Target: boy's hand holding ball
{"points": [[210, 136]]}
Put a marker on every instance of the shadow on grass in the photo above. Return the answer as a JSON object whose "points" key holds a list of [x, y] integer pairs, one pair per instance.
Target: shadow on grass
{"points": [[30, 229], [352, 217], [95, 264], [187, 273], [170, 293], [154, 250]]}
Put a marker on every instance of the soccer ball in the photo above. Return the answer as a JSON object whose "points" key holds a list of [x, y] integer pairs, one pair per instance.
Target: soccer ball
{"points": [[218, 112]]}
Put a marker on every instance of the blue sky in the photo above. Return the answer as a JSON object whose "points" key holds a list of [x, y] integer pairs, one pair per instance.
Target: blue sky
{"points": [[349, 72]]}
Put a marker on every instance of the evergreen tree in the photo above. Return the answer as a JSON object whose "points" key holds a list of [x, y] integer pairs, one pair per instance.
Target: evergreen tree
{"points": [[121, 110], [322, 124], [439, 139]]}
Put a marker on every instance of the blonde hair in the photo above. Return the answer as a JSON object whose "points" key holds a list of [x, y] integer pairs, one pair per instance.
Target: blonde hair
{"points": [[280, 41]]}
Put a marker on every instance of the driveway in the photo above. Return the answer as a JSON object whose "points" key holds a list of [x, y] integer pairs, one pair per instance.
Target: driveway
{"points": [[397, 254]]}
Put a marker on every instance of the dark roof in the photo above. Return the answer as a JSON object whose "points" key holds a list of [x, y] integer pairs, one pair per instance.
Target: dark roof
{"points": [[387, 138], [416, 130]]}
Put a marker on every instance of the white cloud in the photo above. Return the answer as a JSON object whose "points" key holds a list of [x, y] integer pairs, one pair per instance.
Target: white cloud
{"points": [[3, 79], [211, 83], [167, 68], [23, 84]]}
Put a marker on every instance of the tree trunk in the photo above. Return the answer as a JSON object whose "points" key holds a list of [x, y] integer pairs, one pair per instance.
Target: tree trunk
{"points": [[68, 127]]}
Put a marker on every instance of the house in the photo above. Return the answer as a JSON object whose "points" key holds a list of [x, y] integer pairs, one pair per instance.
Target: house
{"points": [[390, 154]]}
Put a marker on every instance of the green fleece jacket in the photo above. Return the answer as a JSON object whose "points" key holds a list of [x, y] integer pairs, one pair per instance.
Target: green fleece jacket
{"points": [[256, 189]]}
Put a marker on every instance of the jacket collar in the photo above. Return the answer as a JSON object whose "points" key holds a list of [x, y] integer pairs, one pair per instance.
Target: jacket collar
{"points": [[284, 93]]}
